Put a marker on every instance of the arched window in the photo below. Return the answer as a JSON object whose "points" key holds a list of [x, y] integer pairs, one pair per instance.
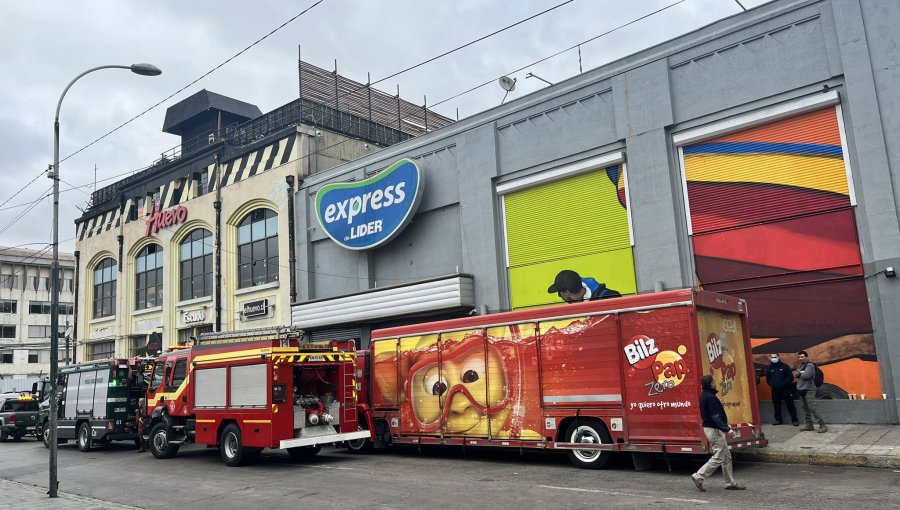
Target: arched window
{"points": [[196, 264], [148, 277], [105, 288], [258, 248]]}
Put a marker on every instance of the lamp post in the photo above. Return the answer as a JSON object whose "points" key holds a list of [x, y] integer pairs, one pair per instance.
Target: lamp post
{"points": [[142, 69]]}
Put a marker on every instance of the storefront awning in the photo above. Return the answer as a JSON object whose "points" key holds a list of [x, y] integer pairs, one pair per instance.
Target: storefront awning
{"points": [[442, 293]]}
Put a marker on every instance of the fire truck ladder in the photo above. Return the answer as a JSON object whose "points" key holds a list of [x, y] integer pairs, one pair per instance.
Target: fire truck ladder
{"points": [[270, 333], [349, 392]]}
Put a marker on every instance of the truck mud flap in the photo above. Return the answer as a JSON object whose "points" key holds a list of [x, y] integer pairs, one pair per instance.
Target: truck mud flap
{"points": [[331, 438]]}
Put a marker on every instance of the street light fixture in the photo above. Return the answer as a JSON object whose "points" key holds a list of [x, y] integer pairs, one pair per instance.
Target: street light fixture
{"points": [[144, 70]]}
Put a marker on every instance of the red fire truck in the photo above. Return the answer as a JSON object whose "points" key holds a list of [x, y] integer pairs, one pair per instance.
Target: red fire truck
{"points": [[246, 391], [590, 379]]}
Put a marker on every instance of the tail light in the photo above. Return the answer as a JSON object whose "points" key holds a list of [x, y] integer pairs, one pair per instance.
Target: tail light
{"points": [[12, 419], [110, 426]]}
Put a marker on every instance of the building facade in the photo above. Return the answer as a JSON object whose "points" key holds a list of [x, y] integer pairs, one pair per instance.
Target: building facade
{"points": [[25, 302], [201, 240], [756, 157]]}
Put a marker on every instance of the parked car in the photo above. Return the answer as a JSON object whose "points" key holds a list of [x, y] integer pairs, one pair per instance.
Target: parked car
{"points": [[18, 415]]}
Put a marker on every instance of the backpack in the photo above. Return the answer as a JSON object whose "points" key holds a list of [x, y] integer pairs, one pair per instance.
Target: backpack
{"points": [[819, 378]]}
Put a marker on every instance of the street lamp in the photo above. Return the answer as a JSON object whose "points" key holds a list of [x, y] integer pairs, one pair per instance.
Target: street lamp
{"points": [[144, 70]]}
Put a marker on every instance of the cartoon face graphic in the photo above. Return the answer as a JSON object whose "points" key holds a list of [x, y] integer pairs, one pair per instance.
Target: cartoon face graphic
{"points": [[466, 390]]}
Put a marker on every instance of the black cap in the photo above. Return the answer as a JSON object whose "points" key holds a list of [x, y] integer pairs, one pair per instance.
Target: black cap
{"points": [[567, 280]]}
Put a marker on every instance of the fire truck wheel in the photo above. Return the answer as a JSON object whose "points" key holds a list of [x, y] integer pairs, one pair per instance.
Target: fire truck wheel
{"points": [[304, 452], [589, 432], [84, 437], [160, 446], [231, 447], [360, 445]]}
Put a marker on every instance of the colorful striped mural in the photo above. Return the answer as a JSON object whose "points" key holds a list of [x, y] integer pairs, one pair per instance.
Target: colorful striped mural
{"points": [[773, 222]]}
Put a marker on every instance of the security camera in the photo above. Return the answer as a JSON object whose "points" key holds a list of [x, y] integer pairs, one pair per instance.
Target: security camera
{"points": [[472, 312]]}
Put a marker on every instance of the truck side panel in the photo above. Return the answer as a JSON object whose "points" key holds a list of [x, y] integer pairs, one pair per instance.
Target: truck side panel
{"points": [[660, 375], [514, 409], [580, 363]]}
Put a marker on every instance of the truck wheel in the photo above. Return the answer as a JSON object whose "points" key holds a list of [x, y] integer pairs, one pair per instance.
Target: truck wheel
{"points": [[3, 436], [589, 432], [160, 446], [304, 452], [84, 437], [231, 447], [45, 434], [364, 445]]}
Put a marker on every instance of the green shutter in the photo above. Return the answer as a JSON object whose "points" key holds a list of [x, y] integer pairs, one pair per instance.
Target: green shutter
{"points": [[577, 223]]}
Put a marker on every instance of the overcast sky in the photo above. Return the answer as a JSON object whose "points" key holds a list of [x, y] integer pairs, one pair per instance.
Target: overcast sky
{"points": [[44, 45]]}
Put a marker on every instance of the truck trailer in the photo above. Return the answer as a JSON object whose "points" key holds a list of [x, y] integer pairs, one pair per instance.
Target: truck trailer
{"points": [[590, 379], [245, 391]]}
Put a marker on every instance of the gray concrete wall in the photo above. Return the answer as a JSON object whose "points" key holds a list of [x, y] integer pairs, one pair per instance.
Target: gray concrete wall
{"points": [[770, 55]]}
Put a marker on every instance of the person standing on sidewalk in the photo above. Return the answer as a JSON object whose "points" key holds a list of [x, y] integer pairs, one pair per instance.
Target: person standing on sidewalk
{"points": [[715, 426], [781, 379], [806, 386]]}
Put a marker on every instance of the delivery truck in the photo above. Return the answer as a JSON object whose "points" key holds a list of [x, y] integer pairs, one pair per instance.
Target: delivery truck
{"points": [[590, 379]]}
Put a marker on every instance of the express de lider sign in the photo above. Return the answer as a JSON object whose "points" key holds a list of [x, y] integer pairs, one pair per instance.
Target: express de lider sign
{"points": [[367, 214]]}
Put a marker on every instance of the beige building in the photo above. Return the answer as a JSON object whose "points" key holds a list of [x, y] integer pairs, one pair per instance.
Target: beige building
{"points": [[202, 239], [25, 296]]}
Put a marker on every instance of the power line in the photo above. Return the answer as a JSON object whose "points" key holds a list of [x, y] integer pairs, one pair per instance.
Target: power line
{"points": [[562, 51], [204, 75], [21, 189]]}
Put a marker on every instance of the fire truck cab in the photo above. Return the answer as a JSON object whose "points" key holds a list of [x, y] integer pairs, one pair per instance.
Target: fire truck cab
{"points": [[246, 391]]}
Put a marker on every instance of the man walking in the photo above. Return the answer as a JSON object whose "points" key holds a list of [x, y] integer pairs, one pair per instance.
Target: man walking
{"points": [[780, 378], [806, 386], [715, 426]]}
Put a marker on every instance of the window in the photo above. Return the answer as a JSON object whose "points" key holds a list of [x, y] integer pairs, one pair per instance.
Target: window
{"points": [[67, 285], [105, 288], [7, 306], [202, 180], [196, 264], [34, 356], [43, 307], [7, 357], [180, 372], [258, 248], [7, 331], [9, 281], [32, 283], [101, 350], [44, 283], [44, 332], [149, 277]]}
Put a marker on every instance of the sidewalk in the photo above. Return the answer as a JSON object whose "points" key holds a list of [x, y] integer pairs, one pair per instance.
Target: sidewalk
{"points": [[16, 495], [843, 445]]}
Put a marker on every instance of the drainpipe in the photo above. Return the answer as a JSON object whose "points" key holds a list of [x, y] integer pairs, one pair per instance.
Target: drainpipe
{"points": [[292, 252], [75, 310], [217, 205]]}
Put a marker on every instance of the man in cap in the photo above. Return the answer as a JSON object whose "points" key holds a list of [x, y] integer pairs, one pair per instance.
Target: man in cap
{"points": [[572, 288], [715, 426]]}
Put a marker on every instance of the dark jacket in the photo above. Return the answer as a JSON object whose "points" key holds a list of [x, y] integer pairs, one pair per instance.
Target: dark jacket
{"points": [[779, 375], [711, 410]]}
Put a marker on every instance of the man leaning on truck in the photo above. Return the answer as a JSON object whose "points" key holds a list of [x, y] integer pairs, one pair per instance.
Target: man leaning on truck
{"points": [[715, 426]]}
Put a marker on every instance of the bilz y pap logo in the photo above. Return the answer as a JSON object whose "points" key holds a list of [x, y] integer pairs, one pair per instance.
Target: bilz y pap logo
{"points": [[667, 368], [720, 359]]}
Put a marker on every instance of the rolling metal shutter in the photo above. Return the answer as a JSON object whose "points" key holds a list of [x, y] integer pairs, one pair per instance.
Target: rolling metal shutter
{"points": [[579, 223], [248, 385], [209, 387]]}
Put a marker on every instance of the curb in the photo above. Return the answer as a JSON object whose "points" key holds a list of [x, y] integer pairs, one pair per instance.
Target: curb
{"points": [[820, 459]]}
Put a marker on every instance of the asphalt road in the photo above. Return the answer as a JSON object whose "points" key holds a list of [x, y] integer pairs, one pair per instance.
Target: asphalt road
{"points": [[434, 478]]}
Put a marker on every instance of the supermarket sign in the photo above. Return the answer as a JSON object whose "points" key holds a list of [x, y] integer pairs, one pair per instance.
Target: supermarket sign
{"points": [[370, 213]]}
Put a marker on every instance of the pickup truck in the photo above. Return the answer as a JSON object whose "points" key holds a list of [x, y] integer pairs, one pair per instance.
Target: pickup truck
{"points": [[18, 416]]}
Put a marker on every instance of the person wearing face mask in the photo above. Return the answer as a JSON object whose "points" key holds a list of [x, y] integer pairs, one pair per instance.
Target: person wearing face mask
{"points": [[780, 378]]}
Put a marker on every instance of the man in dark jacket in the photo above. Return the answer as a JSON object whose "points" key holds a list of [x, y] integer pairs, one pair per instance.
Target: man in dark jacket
{"points": [[715, 426], [780, 378], [572, 288]]}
